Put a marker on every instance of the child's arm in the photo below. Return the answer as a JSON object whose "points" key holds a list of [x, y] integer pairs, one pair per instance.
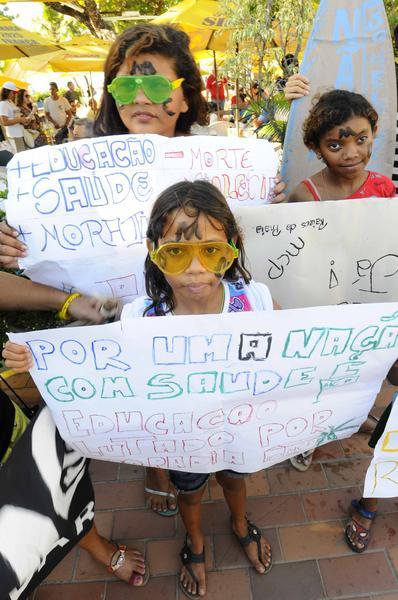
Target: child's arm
{"points": [[17, 357], [19, 293]]}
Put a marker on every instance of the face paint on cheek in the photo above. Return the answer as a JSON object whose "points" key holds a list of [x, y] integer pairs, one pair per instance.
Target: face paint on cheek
{"points": [[168, 112], [144, 68]]}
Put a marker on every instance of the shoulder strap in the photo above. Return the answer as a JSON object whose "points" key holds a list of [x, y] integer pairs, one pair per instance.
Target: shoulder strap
{"points": [[312, 189]]}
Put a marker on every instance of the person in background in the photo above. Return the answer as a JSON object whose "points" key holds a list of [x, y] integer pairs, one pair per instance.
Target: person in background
{"points": [[71, 94], [27, 108], [58, 112], [11, 118], [93, 109], [217, 90], [82, 129]]}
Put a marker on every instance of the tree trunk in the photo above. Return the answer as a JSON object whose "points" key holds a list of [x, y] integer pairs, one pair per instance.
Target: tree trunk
{"points": [[90, 17]]}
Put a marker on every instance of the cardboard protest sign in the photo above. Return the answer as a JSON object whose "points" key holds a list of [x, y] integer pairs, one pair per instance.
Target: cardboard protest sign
{"points": [[317, 253], [381, 479], [349, 48], [239, 391], [82, 208]]}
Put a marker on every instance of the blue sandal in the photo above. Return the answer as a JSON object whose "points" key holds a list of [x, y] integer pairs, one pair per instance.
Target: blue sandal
{"points": [[353, 526]]}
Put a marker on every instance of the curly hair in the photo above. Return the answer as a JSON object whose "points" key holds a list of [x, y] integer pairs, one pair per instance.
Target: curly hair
{"points": [[194, 198], [332, 109], [166, 41]]}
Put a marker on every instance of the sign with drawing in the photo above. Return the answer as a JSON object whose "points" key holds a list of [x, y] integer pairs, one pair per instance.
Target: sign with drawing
{"points": [[318, 253], [241, 391], [82, 208], [381, 479]]}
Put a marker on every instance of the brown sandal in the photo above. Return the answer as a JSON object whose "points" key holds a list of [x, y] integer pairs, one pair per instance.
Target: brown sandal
{"points": [[117, 561]]}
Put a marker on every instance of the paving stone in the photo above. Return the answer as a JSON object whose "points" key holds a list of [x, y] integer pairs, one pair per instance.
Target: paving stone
{"points": [[233, 584], [215, 519], [287, 479], [329, 504], [103, 470], [347, 472], [289, 581], [384, 533], [357, 445], [104, 523], [140, 524], [120, 494], [256, 485], [275, 510], [228, 552], [64, 570], [393, 596], [66, 591], [328, 451], [314, 540], [365, 573], [164, 555], [393, 554], [128, 472], [157, 588]]}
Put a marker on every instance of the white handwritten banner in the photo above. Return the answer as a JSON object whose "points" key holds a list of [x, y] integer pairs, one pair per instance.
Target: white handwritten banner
{"points": [[240, 391], [82, 208], [317, 253], [381, 479]]}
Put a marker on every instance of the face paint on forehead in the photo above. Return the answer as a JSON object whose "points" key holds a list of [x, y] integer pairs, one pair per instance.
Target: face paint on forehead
{"points": [[345, 133], [188, 230], [144, 68]]}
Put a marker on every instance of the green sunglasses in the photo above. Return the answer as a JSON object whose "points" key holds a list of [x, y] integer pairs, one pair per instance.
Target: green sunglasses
{"points": [[156, 88]]}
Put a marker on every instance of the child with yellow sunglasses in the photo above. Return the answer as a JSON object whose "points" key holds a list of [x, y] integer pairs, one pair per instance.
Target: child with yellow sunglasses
{"points": [[196, 265]]}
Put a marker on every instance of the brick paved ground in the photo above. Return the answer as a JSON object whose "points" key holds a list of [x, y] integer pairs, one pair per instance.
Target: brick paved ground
{"points": [[302, 514]]}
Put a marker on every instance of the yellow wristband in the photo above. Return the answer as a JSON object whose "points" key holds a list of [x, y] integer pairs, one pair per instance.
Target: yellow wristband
{"points": [[63, 312]]}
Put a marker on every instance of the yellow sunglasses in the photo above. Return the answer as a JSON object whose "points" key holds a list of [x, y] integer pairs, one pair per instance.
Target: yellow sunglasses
{"points": [[174, 258]]}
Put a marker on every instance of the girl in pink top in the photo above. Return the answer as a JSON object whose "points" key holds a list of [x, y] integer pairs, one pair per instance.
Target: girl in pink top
{"points": [[340, 129]]}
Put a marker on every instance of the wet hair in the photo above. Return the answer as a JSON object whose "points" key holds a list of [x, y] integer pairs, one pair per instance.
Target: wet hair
{"points": [[168, 42], [193, 198], [332, 109]]}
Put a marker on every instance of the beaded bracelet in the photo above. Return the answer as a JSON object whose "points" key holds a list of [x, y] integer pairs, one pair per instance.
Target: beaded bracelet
{"points": [[63, 312]]}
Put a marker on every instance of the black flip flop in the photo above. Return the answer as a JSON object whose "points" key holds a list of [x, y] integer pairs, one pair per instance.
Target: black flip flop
{"points": [[187, 558], [254, 535]]}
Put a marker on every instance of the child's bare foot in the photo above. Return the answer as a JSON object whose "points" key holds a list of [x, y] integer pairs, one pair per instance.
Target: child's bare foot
{"points": [[256, 547], [193, 573], [160, 492]]}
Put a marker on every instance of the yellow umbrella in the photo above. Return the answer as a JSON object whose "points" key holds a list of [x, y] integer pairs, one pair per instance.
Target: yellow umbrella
{"points": [[16, 42], [81, 55], [202, 21], [22, 85]]}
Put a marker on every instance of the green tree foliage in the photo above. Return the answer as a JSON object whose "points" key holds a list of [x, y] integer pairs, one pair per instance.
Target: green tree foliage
{"points": [[59, 27], [91, 14]]}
